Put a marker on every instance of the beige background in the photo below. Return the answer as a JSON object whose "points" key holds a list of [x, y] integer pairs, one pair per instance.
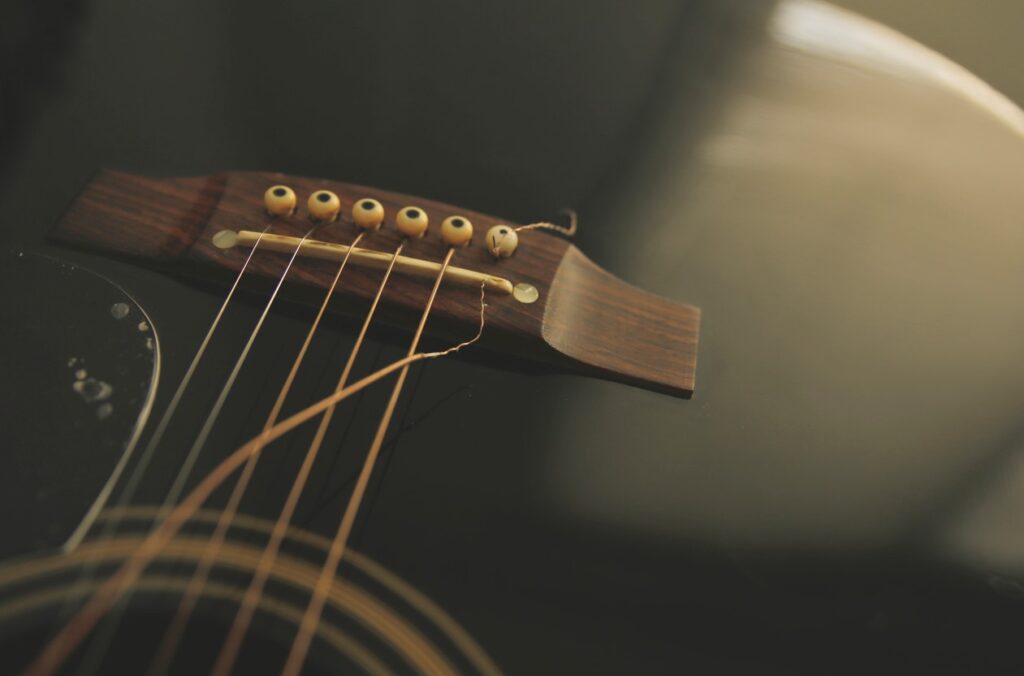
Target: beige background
{"points": [[983, 35]]}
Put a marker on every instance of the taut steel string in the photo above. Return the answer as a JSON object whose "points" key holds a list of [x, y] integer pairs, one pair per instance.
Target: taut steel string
{"points": [[172, 636], [78, 627], [186, 467], [128, 493], [101, 642], [147, 454], [233, 643], [304, 636]]}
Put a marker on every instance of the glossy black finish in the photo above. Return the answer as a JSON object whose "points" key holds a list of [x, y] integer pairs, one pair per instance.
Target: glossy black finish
{"points": [[79, 362], [849, 229]]}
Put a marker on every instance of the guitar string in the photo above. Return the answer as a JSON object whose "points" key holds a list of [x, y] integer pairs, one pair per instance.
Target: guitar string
{"points": [[388, 449], [128, 493], [387, 622], [147, 454], [304, 636], [22, 571], [302, 642], [104, 637], [568, 231], [60, 646], [186, 469], [172, 636], [324, 493], [233, 642]]}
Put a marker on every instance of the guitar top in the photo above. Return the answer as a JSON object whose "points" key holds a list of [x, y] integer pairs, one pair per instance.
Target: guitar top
{"points": [[753, 405]]}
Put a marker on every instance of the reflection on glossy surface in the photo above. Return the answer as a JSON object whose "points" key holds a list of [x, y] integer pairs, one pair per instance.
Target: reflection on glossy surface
{"points": [[821, 29], [843, 206], [852, 231], [79, 381]]}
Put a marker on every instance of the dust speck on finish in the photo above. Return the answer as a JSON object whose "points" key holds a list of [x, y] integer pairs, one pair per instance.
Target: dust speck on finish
{"points": [[91, 389], [119, 310]]}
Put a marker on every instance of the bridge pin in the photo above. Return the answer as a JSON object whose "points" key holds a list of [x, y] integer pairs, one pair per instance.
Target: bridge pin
{"points": [[279, 200], [456, 231], [412, 222], [502, 241], [323, 205], [368, 214]]}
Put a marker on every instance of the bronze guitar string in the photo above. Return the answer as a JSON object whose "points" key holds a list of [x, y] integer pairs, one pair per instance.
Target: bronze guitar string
{"points": [[251, 599], [249, 453], [57, 650], [304, 636], [21, 572], [307, 628], [147, 454], [102, 640], [423, 605], [238, 629], [336, 638], [128, 493], [568, 231], [172, 636], [243, 617], [211, 419], [353, 600]]}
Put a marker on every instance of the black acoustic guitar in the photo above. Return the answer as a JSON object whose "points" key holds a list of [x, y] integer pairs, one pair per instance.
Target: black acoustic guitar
{"points": [[306, 369]]}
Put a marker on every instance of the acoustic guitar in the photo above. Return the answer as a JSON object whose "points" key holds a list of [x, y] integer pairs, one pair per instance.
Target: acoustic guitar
{"points": [[281, 396]]}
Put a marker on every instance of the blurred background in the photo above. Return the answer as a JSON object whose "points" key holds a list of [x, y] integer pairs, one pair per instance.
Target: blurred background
{"points": [[983, 35], [800, 190]]}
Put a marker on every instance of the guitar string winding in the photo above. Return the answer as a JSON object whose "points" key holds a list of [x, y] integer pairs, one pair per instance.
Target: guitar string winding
{"points": [[128, 492], [174, 632], [307, 627], [78, 627], [147, 454], [97, 506], [243, 617], [297, 655], [568, 231], [103, 639], [186, 469]]}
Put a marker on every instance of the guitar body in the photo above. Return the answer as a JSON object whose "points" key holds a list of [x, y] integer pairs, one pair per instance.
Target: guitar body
{"points": [[838, 496]]}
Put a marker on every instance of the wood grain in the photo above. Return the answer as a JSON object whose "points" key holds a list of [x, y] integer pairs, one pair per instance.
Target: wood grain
{"points": [[585, 321]]}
